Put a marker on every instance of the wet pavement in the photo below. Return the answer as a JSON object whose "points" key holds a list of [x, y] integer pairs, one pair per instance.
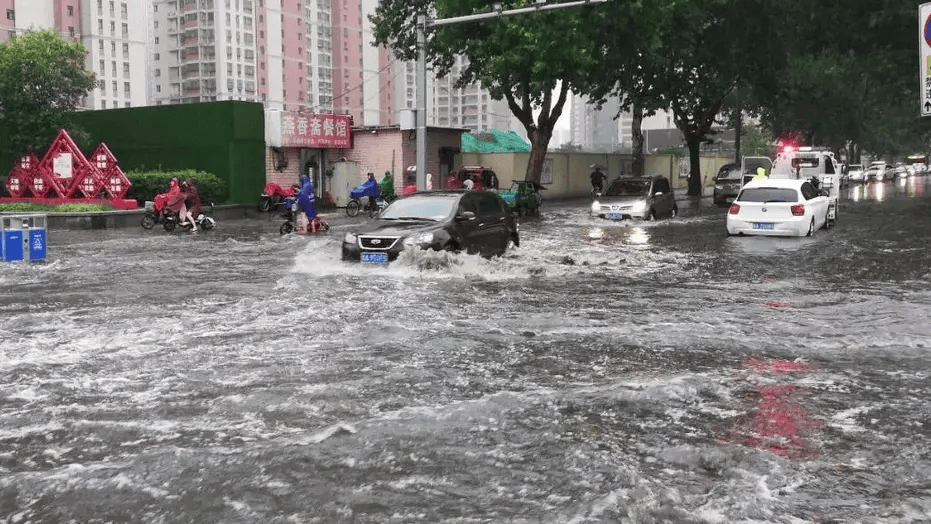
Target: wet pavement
{"points": [[602, 372]]}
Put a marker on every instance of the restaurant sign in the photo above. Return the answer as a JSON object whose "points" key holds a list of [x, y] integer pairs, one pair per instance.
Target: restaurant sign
{"points": [[316, 130]]}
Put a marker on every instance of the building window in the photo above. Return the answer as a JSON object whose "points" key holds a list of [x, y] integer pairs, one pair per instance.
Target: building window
{"points": [[100, 45], [127, 104], [113, 68], [10, 14], [112, 8], [156, 39], [156, 57], [155, 8], [124, 11], [126, 49], [158, 89], [70, 10], [103, 67], [100, 5], [100, 27], [125, 30], [102, 84], [112, 28], [125, 69], [103, 104], [126, 89], [70, 31], [113, 48]]}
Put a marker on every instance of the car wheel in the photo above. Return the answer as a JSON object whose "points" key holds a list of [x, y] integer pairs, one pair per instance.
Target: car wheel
{"points": [[811, 227]]}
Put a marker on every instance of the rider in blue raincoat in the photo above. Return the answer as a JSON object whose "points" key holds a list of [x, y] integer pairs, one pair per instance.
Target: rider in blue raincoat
{"points": [[368, 189], [306, 198]]}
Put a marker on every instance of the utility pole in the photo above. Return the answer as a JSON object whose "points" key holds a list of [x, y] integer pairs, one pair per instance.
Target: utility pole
{"points": [[424, 23]]}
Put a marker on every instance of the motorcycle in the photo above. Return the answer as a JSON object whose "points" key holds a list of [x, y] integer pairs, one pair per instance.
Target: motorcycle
{"points": [[151, 217], [274, 195], [203, 221], [319, 224]]}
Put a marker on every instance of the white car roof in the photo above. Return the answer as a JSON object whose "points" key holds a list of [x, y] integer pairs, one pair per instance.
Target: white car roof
{"points": [[787, 183]]}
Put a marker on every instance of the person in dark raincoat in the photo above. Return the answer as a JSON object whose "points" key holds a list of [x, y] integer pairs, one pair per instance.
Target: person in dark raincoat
{"points": [[192, 202]]}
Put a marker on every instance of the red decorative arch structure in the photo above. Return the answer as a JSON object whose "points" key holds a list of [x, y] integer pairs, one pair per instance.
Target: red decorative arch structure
{"points": [[65, 175]]}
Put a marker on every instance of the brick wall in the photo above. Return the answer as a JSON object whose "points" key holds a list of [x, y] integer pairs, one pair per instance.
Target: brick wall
{"points": [[288, 175]]}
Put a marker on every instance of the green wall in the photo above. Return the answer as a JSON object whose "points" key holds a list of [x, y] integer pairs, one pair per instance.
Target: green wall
{"points": [[225, 138]]}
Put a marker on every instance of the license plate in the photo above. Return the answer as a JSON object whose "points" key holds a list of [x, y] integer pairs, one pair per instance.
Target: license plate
{"points": [[614, 216], [763, 225], [369, 257]]}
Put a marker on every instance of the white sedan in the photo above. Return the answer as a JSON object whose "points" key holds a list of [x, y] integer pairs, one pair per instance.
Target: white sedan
{"points": [[778, 207]]}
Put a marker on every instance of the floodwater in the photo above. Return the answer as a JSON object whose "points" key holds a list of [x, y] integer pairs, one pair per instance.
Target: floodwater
{"points": [[601, 373]]}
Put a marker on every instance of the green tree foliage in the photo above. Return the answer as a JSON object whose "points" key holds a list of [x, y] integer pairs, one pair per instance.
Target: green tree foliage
{"points": [[42, 79], [756, 141], [851, 77], [147, 184], [532, 59], [691, 57]]}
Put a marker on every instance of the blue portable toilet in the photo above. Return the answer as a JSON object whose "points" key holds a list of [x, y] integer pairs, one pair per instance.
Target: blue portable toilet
{"points": [[23, 237]]}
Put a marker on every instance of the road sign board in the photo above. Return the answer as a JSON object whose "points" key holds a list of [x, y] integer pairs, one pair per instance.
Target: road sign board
{"points": [[924, 56]]}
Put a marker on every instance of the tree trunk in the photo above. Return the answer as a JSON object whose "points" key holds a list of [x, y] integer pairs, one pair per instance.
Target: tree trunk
{"points": [[695, 186], [639, 163], [738, 128], [539, 141]]}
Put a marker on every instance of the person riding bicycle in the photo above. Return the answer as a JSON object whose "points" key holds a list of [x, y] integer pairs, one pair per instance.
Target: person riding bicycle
{"points": [[372, 204], [598, 179]]}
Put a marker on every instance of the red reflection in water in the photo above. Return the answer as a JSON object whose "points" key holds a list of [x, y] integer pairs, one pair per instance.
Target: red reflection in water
{"points": [[778, 304], [777, 423]]}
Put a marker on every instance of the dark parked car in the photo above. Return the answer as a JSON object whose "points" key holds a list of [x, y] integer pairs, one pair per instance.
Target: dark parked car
{"points": [[471, 221], [727, 184]]}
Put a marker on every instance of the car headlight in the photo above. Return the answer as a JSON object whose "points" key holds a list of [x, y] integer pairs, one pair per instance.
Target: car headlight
{"points": [[719, 186], [419, 240], [350, 238], [596, 206], [639, 206]]}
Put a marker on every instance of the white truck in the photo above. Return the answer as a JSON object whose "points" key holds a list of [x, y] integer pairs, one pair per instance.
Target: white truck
{"points": [[816, 164]]}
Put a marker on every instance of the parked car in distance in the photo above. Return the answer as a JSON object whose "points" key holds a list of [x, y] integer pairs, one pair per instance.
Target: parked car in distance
{"points": [[472, 221], [778, 207], [856, 173], [524, 197], [727, 184], [879, 171], [645, 198], [899, 171], [482, 178]]}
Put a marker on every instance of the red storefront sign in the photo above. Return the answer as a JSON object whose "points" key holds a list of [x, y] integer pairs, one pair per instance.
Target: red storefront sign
{"points": [[316, 130]]}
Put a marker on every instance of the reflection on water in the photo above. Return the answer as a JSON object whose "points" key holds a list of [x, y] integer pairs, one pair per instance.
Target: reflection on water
{"points": [[912, 186]]}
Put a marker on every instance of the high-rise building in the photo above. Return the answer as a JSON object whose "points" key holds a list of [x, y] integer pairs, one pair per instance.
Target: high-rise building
{"points": [[594, 129], [112, 31]]}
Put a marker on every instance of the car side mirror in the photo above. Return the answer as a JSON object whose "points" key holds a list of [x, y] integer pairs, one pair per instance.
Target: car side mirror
{"points": [[465, 216]]}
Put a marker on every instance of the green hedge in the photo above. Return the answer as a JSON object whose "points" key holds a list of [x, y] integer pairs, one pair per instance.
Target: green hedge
{"points": [[147, 184]]}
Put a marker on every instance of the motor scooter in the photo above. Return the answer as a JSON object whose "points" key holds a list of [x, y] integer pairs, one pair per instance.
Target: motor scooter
{"points": [[320, 223], [203, 220]]}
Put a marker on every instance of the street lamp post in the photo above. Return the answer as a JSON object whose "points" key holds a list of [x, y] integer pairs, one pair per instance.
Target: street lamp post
{"points": [[423, 24]]}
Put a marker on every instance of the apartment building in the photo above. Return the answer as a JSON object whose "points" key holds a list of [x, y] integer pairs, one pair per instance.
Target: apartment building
{"points": [[112, 31]]}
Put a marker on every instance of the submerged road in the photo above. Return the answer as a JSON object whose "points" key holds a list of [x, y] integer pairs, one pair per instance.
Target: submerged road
{"points": [[602, 372]]}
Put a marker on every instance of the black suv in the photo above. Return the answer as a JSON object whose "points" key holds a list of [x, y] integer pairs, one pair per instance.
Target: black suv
{"points": [[473, 221], [727, 184]]}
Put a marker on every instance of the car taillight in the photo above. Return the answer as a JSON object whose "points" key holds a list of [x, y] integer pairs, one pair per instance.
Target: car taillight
{"points": [[798, 210], [734, 209]]}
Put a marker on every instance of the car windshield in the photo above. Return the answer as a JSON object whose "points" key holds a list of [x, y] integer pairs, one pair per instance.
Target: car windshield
{"points": [[768, 194], [419, 208], [730, 174], [628, 188]]}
